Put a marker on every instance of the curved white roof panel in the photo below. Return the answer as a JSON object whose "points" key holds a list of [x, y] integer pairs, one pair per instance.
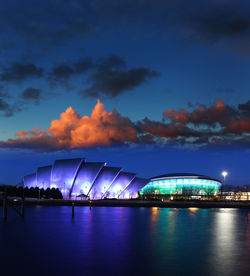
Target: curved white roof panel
{"points": [[102, 183], [44, 176], [63, 174], [119, 184], [85, 178]]}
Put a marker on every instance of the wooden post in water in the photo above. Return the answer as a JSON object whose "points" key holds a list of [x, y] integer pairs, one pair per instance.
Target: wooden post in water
{"points": [[5, 208], [5, 205], [22, 207], [22, 204], [73, 209]]}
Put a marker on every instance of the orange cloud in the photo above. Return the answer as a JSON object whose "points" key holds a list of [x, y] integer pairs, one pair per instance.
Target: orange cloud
{"points": [[180, 117], [71, 131], [165, 130], [105, 128], [239, 126], [217, 113]]}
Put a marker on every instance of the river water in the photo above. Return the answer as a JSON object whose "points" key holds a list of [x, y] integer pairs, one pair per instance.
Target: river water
{"points": [[125, 241]]}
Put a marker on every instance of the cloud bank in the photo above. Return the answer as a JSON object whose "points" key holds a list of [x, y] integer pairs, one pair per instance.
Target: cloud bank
{"points": [[112, 78], [106, 77], [218, 124], [59, 23], [101, 128]]}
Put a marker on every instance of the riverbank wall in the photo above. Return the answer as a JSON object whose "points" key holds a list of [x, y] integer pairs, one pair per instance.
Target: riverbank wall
{"points": [[136, 203]]}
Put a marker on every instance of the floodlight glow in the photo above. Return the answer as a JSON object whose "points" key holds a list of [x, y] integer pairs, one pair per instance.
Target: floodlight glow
{"points": [[224, 173]]}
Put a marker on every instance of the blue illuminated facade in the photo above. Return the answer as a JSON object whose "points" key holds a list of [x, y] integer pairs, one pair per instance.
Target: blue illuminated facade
{"points": [[182, 184], [77, 178]]}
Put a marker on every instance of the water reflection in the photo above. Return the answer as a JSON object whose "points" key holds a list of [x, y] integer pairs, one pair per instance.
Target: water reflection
{"points": [[193, 209], [248, 231], [226, 246], [128, 241], [155, 213], [211, 238]]}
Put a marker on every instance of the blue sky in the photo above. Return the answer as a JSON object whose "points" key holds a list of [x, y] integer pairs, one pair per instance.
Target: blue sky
{"points": [[141, 58]]}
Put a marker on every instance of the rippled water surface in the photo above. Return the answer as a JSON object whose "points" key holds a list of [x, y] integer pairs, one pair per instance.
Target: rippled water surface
{"points": [[126, 241]]}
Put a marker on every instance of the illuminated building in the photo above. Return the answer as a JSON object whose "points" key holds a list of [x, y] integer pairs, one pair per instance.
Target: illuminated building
{"points": [[181, 184], [77, 178], [239, 195]]}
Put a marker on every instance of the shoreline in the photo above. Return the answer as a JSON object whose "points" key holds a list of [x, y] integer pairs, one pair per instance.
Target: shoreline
{"points": [[134, 203]]}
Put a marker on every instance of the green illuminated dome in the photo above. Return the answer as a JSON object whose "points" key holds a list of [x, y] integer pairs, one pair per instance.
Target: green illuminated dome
{"points": [[182, 184]]}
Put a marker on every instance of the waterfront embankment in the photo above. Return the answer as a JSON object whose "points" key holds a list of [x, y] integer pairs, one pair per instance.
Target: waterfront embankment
{"points": [[137, 203]]}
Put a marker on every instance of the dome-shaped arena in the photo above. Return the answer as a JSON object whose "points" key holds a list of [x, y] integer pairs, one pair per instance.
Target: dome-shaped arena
{"points": [[181, 184], [78, 178]]}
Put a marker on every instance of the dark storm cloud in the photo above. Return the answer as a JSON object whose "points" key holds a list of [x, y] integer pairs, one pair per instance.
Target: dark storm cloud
{"points": [[61, 23], [8, 109], [217, 25], [31, 93], [111, 62], [20, 71], [34, 95], [10, 105], [107, 76], [112, 78], [65, 71], [211, 21], [245, 106], [46, 23]]}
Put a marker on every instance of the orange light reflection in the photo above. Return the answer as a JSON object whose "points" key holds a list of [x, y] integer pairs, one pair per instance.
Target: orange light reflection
{"points": [[193, 209]]}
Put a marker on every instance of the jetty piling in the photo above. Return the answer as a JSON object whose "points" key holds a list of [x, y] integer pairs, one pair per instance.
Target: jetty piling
{"points": [[73, 209]]}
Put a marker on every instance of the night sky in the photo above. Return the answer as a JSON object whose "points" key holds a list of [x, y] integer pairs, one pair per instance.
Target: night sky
{"points": [[155, 86]]}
